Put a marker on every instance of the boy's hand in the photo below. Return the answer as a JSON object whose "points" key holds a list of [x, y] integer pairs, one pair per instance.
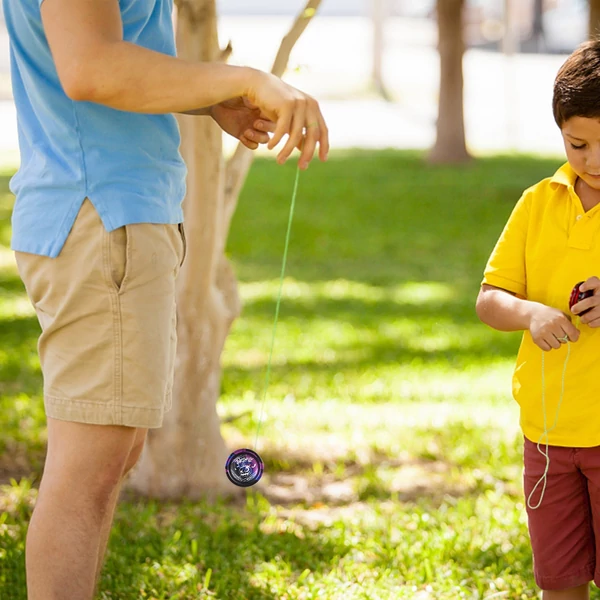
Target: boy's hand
{"points": [[591, 318], [295, 113], [244, 121], [548, 325]]}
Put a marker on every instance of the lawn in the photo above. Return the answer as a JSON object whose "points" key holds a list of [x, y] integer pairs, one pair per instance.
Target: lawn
{"points": [[391, 442]]}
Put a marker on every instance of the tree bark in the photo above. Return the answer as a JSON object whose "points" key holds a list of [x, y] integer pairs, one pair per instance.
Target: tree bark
{"points": [[450, 145], [186, 457], [594, 23], [379, 10]]}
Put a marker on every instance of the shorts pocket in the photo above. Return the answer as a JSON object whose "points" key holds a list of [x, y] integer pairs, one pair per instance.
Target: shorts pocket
{"points": [[119, 252], [184, 243]]}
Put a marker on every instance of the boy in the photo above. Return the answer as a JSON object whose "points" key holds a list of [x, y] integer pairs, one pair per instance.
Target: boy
{"points": [[98, 241], [550, 243]]}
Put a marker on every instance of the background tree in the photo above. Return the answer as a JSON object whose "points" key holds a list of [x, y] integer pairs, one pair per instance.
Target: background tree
{"points": [[186, 457], [379, 13], [594, 22], [537, 29], [450, 145]]}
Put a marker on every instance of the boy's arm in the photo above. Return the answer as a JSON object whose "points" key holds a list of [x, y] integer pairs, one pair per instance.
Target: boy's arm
{"points": [[503, 310], [95, 64]]}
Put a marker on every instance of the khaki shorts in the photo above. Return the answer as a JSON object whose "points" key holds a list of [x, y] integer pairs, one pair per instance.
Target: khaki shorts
{"points": [[106, 306]]}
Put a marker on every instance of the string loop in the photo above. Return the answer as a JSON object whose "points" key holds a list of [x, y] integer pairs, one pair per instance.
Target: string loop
{"points": [[544, 478]]}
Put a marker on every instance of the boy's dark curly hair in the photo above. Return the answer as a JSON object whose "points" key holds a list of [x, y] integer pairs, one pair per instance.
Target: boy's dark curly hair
{"points": [[577, 85]]}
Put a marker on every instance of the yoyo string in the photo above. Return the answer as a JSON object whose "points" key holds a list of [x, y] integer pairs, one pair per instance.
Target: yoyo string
{"points": [[544, 478], [278, 304]]}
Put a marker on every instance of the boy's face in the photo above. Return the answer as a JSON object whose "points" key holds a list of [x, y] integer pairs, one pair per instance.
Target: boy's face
{"points": [[581, 136]]}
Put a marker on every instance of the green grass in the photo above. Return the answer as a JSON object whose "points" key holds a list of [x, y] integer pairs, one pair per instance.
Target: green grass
{"points": [[391, 443]]}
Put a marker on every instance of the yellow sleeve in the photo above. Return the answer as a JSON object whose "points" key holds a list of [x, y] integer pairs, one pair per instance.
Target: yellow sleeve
{"points": [[506, 266]]}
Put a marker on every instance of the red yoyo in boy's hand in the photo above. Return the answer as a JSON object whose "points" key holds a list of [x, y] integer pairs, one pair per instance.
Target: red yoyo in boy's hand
{"points": [[578, 296], [585, 293]]}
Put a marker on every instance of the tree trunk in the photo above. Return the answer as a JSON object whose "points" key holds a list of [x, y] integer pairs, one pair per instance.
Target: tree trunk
{"points": [[186, 457], [450, 145], [379, 9], [594, 23], [537, 30]]}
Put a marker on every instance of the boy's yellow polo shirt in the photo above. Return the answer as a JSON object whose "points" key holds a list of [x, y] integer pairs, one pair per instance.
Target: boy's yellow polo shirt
{"points": [[548, 245]]}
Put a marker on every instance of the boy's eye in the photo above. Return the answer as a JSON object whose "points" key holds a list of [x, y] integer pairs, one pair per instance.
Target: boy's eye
{"points": [[577, 147]]}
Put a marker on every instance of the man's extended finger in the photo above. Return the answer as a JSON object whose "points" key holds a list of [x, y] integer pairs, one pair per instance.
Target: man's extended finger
{"points": [[296, 133], [310, 143], [284, 122], [323, 139]]}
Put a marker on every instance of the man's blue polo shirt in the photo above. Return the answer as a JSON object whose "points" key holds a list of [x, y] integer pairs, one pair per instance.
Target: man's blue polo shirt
{"points": [[127, 164]]}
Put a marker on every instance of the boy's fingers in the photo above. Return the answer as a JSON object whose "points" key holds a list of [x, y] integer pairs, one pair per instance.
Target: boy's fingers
{"points": [[592, 283], [589, 317], [569, 333], [248, 143], [583, 305], [544, 345], [256, 136], [265, 125], [553, 341]]}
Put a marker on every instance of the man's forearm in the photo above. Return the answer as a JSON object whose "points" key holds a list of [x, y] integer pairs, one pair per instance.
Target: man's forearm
{"points": [[134, 79], [503, 311], [203, 112]]}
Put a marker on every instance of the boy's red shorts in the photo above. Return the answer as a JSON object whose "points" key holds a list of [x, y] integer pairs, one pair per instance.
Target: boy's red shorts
{"points": [[565, 528]]}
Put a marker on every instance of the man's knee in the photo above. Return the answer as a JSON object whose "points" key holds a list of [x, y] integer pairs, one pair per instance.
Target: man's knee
{"points": [[136, 451], [87, 460]]}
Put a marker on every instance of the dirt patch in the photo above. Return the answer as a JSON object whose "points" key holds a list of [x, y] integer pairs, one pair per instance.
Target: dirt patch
{"points": [[405, 481]]}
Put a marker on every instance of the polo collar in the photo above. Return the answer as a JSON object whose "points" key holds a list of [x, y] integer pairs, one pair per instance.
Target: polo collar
{"points": [[564, 176]]}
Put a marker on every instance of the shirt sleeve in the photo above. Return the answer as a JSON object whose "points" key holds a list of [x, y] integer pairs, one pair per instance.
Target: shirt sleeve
{"points": [[506, 266]]}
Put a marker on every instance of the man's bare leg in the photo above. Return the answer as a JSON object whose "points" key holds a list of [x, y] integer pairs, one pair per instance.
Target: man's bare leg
{"points": [[105, 530], [107, 524], [84, 466]]}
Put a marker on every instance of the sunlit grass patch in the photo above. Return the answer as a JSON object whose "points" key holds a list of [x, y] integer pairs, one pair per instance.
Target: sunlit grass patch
{"points": [[390, 439]]}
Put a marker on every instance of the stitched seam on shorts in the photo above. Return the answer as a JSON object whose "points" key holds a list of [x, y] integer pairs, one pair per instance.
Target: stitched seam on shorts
{"points": [[63, 401], [117, 337], [591, 565]]}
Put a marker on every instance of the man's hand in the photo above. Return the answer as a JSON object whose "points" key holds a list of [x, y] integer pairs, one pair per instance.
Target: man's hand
{"points": [[549, 326], [591, 318], [294, 113], [95, 64], [242, 120]]}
